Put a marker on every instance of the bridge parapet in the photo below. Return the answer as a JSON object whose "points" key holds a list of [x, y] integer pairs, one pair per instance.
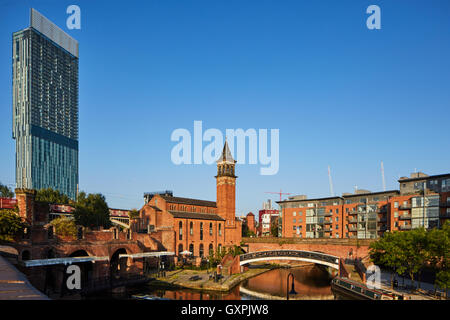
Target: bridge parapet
{"points": [[309, 256]]}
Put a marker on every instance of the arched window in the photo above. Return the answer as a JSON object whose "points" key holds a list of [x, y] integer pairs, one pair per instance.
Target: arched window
{"points": [[191, 248], [210, 229], [191, 228], [201, 230], [180, 248], [180, 230], [201, 250], [211, 249], [220, 229]]}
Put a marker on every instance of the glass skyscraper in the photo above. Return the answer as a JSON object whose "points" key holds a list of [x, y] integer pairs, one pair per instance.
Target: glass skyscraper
{"points": [[45, 106]]}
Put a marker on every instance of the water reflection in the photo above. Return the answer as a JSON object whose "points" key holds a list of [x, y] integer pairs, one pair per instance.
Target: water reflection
{"points": [[311, 282]]}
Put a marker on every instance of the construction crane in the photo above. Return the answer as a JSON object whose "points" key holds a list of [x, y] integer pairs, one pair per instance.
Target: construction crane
{"points": [[280, 193], [331, 182], [382, 176]]}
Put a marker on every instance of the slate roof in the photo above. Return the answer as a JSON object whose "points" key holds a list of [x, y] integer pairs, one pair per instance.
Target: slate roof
{"points": [[195, 202], [196, 215]]}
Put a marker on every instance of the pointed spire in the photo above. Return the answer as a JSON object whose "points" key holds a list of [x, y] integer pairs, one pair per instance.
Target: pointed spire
{"points": [[226, 154]]}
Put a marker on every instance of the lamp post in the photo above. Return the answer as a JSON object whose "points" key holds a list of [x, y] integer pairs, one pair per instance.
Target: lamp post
{"points": [[292, 287]]}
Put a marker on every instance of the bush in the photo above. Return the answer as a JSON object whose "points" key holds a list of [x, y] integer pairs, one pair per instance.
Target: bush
{"points": [[64, 226], [11, 224]]}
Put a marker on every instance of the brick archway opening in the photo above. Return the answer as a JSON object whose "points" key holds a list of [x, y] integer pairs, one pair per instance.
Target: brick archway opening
{"points": [[118, 266]]}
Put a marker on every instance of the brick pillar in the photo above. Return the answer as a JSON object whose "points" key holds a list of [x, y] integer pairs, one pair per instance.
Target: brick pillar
{"points": [[25, 201]]}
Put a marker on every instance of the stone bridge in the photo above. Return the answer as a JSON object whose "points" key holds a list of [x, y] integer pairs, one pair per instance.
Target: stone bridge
{"points": [[341, 248]]}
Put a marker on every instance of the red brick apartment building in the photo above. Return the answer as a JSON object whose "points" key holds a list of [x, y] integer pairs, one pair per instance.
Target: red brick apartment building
{"points": [[198, 226], [367, 215]]}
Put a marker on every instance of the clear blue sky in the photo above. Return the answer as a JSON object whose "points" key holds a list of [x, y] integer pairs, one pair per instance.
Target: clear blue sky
{"points": [[340, 94]]}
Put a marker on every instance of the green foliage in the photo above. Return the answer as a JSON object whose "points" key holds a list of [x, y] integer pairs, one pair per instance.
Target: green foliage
{"points": [[5, 191], [92, 211], [50, 195], [133, 214], [246, 232], [274, 229], [409, 252], [64, 226], [10, 225]]}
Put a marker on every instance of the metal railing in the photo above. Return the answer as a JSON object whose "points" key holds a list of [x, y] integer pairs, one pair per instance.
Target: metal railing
{"points": [[289, 253]]}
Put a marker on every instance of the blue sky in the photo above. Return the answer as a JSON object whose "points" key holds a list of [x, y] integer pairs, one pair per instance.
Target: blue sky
{"points": [[340, 94]]}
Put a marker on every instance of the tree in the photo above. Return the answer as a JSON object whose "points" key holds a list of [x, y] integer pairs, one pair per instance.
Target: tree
{"points": [[64, 226], [10, 225], [133, 214], [5, 191], [274, 229], [92, 211], [246, 231], [438, 244], [386, 252], [50, 195]]}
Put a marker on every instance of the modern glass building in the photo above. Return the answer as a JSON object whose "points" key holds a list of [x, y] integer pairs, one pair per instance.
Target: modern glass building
{"points": [[45, 106]]}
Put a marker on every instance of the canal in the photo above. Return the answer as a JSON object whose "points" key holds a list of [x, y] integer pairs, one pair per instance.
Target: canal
{"points": [[311, 282]]}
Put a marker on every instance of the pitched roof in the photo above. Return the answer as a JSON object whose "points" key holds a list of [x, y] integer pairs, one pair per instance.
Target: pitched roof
{"points": [[195, 202], [226, 154], [195, 215]]}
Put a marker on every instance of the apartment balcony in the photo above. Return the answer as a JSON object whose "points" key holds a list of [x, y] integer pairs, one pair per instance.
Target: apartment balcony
{"points": [[328, 214], [381, 210], [352, 220], [382, 228], [352, 228], [405, 227], [328, 221], [405, 207], [405, 217], [381, 219], [353, 212]]}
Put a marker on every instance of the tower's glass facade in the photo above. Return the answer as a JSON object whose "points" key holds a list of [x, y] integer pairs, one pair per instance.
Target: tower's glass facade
{"points": [[45, 107]]}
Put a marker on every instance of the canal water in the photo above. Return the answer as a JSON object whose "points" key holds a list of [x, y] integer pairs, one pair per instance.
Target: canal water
{"points": [[311, 282]]}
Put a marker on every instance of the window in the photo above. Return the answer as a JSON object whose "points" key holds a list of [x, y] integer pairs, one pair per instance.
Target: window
{"points": [[211, 249], [191, 248], [337, 219], [337, 210], [396, 214], [201, 230], [191, 228], [210, 229], [201, 250], [293, 221], [220, 229], [293, 214], [396, 204], [180, 248], [180, 230]]}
